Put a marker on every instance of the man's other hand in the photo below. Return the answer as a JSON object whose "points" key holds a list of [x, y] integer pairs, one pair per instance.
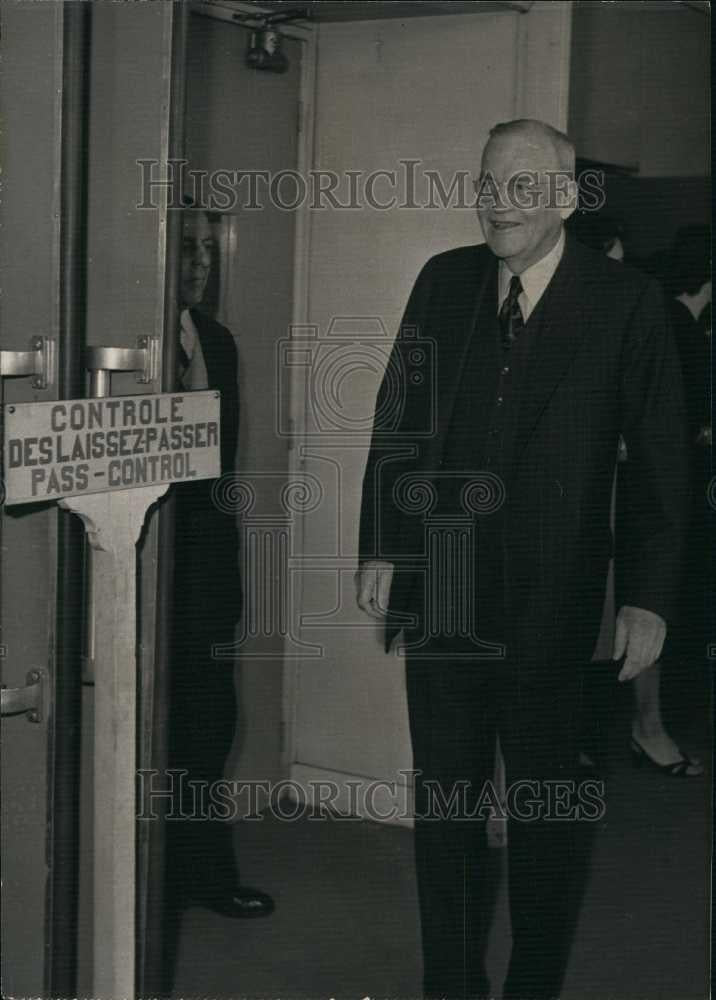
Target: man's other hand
{"points": [[373, 581], [640, 635]]}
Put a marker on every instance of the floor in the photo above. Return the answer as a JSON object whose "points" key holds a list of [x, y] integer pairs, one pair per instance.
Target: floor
{"points": [[346, 921]]}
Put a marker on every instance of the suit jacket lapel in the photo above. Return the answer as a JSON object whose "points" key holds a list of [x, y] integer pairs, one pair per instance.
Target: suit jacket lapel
{"points": [[561, 329], [208, 345], [452, 352], [220, 371]]}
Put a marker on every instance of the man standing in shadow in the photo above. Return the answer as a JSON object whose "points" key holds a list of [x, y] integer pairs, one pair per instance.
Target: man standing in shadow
{"points": [[201, 866]]}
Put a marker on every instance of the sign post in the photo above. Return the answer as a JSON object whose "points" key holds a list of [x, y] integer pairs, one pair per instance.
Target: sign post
{"points": [[113, 522], [108, 460]]}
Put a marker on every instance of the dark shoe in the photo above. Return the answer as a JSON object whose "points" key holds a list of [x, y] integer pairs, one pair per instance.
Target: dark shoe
{"points": [[686, 767], [242, 902]]}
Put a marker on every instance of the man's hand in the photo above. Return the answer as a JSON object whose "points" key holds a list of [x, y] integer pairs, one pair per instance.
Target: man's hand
{"points": [[640, 634], [373, 581]]}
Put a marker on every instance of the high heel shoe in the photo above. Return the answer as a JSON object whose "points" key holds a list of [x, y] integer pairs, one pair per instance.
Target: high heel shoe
{"points": [[677, 768]]}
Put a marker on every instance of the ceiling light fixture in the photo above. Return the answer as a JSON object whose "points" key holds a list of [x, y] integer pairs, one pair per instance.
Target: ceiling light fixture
{"points": [[265, 41]]}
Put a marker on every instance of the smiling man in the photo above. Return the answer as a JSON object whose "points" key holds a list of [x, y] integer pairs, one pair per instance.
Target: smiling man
{"points": [[526, 190], [546, 352]]}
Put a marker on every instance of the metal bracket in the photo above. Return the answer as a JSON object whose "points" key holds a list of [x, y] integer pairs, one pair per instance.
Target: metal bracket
{"points": [[143, 359], [38, 361], [27, 699]]}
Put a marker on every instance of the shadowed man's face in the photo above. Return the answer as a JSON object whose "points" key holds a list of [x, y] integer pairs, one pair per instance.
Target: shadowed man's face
{"points": [[197, 248]]}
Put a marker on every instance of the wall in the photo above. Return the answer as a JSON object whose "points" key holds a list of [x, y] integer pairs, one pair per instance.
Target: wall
{"points": [[422, 89], [640, 87], [655, 208]]}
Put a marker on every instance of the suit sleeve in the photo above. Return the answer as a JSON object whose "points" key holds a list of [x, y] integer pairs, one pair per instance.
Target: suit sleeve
{"points": [[654, 427], [381, 522]]}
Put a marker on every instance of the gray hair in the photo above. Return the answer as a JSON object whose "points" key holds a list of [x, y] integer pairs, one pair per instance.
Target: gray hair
{"points": [[561, 144]]}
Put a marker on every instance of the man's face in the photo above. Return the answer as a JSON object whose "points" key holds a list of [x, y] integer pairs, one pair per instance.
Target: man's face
{"points": [[520, 225], [197, 247]]}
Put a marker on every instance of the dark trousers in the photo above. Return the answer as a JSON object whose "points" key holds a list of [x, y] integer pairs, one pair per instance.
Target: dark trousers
{"points": [[455, 709], [200, 854]]}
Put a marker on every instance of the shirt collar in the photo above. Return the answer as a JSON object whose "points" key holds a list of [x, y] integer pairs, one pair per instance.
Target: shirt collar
{"points": [[534, 278], [188, 334], [195, 377]]}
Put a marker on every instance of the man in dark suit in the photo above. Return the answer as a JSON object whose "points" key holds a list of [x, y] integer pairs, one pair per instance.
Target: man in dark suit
{"points": [[201, 866], [545, 352]]}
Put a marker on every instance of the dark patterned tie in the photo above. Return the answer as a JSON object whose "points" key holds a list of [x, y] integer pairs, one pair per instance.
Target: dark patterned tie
{"points": [[511, 321]]}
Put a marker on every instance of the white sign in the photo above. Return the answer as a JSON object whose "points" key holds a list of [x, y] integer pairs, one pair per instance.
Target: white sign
{"points": [[74, 446]]}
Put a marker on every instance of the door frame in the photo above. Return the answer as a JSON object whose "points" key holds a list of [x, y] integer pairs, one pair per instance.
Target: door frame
{"points": [[298, 401]]}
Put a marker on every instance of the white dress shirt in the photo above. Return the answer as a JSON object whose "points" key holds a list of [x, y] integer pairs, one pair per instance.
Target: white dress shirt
{"points": [[195, 376], [534, 279]]}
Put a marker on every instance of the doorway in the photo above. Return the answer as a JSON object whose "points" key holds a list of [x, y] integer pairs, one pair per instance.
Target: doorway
{"points": [[243, 130]]}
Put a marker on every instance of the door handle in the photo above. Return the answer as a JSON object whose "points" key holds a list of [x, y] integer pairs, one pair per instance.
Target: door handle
{"points": [[38, 361], [27, 699], [102, 361]]}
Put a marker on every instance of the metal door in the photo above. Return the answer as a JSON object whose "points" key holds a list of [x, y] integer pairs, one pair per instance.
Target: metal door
{"points": [[40, 547], [88, 89]]}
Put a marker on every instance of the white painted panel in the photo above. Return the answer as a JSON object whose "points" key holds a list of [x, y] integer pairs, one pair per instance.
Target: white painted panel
{"points": [[427, 90]]}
